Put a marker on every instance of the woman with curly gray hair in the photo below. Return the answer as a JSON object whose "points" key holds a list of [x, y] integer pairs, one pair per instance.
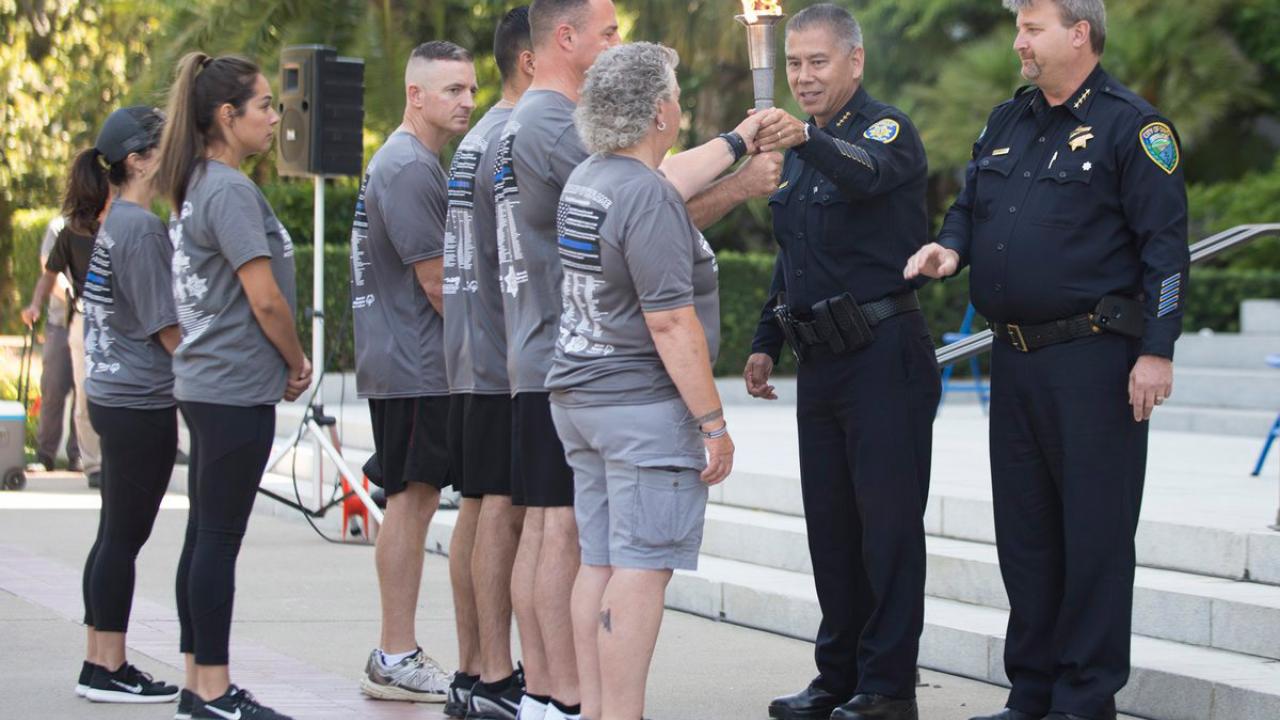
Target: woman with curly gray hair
{"points": [[633, 398]]}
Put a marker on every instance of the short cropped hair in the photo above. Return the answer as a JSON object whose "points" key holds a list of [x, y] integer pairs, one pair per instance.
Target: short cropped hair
{"points": [[621, 92], [546, 15], [440, 50], [510, 39], [839, 21], [1093, 12]]}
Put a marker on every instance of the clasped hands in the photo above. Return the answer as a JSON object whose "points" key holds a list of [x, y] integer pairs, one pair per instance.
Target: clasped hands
{"points": [[767, 133]]}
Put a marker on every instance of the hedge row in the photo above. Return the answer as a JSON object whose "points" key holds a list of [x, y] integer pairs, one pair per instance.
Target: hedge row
{"points": [[1213, 298]]}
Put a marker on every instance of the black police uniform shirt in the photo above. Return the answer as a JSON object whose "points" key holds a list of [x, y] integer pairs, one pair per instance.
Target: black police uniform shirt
{"points": [[1065, 205], [848, 213]]}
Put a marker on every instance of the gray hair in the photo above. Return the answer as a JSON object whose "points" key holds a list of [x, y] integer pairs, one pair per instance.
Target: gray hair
{"points": [[839, 21], [621, 92], [1093, 12]]}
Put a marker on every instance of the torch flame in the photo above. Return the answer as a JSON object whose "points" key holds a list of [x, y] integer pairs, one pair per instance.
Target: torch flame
{"points": [[752, 9]]}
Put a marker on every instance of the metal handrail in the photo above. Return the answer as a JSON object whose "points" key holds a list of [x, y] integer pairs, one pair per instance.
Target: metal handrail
{"points": [[979, 343]]}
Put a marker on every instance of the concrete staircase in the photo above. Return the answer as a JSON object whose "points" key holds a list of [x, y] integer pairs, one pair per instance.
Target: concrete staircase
{"points": [[1222, 384]]}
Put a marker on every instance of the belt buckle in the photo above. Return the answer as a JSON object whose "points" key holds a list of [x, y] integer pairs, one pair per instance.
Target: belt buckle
{"points": [[1016, 338]]}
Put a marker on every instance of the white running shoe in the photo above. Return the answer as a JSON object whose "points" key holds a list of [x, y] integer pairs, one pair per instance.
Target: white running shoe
{"points": [[416, 678], [554, 713], [531, 709]]}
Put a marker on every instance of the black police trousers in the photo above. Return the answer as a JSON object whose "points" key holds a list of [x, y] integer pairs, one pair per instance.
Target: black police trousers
{"points": [[1067, 468], [865, 426]]}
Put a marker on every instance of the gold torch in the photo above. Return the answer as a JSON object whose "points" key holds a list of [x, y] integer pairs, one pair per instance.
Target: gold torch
{"points": [[760, 18]]}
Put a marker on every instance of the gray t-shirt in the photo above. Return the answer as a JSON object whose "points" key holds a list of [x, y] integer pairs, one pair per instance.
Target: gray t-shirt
{"points": [[475, 339], [538, 149], [628, 247], [399, 221], [128, 298], [224, 357]]}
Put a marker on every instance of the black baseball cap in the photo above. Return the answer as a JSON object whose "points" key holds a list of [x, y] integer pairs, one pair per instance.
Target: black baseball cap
{"points": [[129, 130]]}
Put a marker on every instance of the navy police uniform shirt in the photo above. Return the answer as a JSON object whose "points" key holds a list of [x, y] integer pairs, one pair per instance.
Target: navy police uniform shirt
{"points": [[1065, 205], [849, 212]]}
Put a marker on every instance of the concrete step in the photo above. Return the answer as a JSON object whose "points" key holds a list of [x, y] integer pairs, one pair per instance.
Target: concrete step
{"points": [[1225, 350], [1194, 609], [959, 514], [1260, 317], [1170, 680], [1226, 388], [1176, 417]]}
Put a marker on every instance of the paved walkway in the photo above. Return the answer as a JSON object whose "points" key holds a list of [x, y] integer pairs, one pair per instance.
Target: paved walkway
{"points": [[306, 616]]}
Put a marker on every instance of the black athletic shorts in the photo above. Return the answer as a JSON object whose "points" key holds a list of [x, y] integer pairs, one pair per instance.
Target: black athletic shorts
{"points": [[410, 439], [540, 475], [480, 444]]}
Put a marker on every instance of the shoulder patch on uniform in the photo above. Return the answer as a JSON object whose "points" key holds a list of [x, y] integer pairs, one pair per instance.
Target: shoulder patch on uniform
{"points": [[883, 131], [1161, 146]]}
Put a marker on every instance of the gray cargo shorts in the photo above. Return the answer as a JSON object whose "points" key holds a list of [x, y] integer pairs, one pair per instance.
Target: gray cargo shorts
{"points": [[638, 496]]}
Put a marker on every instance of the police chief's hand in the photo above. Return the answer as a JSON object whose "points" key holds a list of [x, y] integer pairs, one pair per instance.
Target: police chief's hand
{"points": [[779, 130], [1150, 384], [933, 261], [719, 459], [759, 368], [298, 382], [30, 314], [761, 174]]}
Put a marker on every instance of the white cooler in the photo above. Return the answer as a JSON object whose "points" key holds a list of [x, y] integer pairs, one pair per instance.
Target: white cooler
{"points": [[13, 428]]}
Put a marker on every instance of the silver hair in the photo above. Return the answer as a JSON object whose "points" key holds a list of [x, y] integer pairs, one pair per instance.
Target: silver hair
{"points": [[621, 93], [1093, 12], [833, 17]]}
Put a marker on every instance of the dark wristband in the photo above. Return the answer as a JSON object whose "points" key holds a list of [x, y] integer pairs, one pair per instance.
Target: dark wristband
{"points": [[736, 144]]}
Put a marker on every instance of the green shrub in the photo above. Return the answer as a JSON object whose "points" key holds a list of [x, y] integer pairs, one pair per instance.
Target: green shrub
{"points": [[293, 202], [28, 232], [339, 335], [1254, 198]]}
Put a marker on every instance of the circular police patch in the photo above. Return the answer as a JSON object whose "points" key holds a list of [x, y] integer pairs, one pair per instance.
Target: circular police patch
{"points": [[1160, 145], [884, 131]]}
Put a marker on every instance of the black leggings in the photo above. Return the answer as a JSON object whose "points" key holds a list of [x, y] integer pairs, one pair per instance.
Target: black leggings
{"points": [[138, 448], [229, 450]]}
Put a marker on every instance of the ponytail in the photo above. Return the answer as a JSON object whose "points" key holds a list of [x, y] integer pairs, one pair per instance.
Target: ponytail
{"points": [[203, 84], [88, 188]]}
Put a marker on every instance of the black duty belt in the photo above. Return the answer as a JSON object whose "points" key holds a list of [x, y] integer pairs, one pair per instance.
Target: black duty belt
{"points": [[840, 325], [1114, 313], [813, 332], [1025, 338]]}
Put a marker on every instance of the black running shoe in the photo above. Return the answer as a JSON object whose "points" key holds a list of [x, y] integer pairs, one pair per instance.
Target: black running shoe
{"points": [[235, 704], [459, 696], [493, 705], [186, 702], [128, 685], [86, 677]]}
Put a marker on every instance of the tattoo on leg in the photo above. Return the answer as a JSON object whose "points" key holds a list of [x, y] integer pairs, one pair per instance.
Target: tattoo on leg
{"points": [[606, 620]]}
